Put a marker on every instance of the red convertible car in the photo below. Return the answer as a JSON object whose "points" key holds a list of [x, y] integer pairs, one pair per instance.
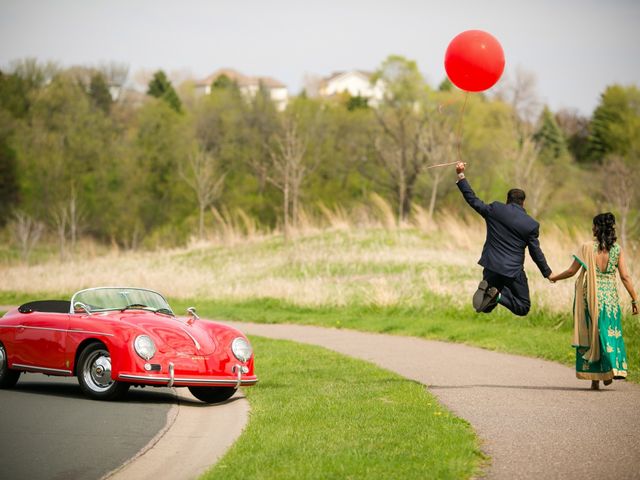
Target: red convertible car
{"points": [[112, 338]]}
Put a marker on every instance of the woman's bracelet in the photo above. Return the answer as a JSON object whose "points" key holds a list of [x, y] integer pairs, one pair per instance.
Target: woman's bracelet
{"points": [[634, 302]]}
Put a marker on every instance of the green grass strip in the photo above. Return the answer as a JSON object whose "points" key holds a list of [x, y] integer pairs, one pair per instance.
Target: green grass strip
{"points": [[540, 334], [319, 414]]}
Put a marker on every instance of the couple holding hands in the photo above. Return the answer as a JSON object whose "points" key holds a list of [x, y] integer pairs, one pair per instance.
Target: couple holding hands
{"points": [[600, 350]]}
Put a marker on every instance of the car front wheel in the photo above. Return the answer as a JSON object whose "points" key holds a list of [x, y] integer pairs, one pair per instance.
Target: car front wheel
{"points": [[94, 374], [8, 377], [212, 394]]}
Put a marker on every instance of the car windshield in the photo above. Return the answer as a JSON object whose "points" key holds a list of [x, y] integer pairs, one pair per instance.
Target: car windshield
{"points": [[113, 298]]}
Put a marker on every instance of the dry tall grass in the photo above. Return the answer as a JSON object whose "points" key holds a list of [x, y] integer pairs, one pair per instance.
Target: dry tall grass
{"points": [[336, 258]]}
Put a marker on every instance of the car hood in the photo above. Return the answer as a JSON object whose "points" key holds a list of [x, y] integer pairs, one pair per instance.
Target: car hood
{"points": [[173, 334]]}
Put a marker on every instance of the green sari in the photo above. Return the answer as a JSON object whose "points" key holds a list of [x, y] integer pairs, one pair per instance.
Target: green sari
{"points": [[607, 359]]}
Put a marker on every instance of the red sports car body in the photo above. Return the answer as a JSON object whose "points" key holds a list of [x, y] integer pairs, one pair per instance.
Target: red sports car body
{"points": [[112, 338]]}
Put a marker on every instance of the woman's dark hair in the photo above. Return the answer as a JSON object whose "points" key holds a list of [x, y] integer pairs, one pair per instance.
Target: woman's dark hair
{"points": [[604, 229]]}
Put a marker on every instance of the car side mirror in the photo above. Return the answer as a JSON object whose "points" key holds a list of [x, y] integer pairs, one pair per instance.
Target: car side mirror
{"points": [[192, 313], [81, 307]]}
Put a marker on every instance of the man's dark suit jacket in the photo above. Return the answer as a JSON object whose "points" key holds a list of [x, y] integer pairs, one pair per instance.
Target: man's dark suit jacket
{"points": [[509, 231]]}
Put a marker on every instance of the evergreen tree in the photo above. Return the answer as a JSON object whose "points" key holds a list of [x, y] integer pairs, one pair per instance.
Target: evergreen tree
{"points": [[549, 137], [99, 93], [354, 103], [615, 126], [160, 87], [223, 82], [445, 85]]}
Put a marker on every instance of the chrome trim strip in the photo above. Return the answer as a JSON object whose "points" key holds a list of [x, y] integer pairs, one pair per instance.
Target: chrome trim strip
{"points": [[90, 332], [41, 369], [183, 380], [57, 329], [192, 338]]}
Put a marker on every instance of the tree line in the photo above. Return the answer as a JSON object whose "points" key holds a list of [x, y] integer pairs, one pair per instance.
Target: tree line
{"points": [[159, 168]]}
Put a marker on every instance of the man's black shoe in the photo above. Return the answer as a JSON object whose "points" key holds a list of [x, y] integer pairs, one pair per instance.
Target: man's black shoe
{"points": [[484, 297], [490, 300]]}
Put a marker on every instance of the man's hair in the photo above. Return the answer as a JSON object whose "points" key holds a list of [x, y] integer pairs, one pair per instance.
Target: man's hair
{"points": [[517, 196]]}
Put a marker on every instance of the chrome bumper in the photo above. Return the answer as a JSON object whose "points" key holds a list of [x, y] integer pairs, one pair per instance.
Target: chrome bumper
{"points": [[173, 381]]}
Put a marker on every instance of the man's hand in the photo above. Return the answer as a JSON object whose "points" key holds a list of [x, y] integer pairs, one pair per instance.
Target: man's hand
{"points": [[460, 167]]}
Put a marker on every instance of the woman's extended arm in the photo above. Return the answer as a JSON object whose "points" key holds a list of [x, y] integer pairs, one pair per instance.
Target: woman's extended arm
{"points": [[568, 273], [628, 284]]}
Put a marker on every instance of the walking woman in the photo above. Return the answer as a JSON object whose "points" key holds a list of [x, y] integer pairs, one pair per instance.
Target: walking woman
{"points": [[597, 336]]}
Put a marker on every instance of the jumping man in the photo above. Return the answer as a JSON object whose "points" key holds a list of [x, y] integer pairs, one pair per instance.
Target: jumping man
{"points": [[509, 231]]}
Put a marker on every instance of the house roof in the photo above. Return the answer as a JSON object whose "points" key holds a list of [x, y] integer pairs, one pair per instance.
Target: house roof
{"points": [[241, 79], [335, 75]]}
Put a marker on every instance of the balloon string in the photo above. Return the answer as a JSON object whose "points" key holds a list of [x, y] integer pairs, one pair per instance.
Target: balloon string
{"points": [[459, 127]]}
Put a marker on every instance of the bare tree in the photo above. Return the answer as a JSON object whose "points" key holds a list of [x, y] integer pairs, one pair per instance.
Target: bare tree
{"points": [[436, 142], [116, 73], [521, 93], [527, 172], [288, 168], [620, 192], [312, 84], [260, 118], [402, 116], [76, 216], [60, 221], [26, 232], [67, 219], [202, 175], [399, 151]]}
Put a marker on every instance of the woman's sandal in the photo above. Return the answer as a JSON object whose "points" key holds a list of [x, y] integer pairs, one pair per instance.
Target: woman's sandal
{"points": [[595, 385], [608, 382]]}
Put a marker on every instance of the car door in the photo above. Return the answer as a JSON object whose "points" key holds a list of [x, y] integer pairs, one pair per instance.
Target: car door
{"points": [[40, 342]]}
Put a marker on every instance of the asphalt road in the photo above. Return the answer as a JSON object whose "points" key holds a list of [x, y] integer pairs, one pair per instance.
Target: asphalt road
{"points": [[49, 430], [534, 418]]}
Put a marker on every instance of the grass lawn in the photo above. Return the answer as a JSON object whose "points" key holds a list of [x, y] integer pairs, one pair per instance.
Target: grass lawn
{"points": [[319, 414]]}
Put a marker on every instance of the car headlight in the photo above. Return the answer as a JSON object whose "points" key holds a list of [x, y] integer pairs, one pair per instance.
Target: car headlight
{"points": [[144, 347], [241, 348]]}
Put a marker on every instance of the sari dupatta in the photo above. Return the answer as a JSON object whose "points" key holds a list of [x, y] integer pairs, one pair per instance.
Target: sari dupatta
{"points": [[585, 334]]}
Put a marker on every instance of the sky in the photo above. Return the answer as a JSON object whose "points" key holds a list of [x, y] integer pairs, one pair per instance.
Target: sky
{"points": [[575, 48]]}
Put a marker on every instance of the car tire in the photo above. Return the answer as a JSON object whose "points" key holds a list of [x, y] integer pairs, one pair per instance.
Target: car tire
{"points": [[94, 374], [8, 377], [212, 394]]}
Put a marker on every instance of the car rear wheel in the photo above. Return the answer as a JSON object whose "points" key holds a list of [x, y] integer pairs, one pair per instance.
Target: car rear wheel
{"points": [[94, 374], [8, 377], [212, 394]]}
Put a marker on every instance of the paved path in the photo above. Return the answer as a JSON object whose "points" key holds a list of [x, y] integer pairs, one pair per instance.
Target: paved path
{"points": [[535, 419], [50, 430], [197, 435]]}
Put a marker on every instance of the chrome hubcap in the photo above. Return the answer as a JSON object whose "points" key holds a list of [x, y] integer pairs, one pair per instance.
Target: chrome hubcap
{"points": [[97, 371]]}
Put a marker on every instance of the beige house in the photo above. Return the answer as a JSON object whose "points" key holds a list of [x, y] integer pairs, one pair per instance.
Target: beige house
{"points": [[249, 86], [356, 83]]}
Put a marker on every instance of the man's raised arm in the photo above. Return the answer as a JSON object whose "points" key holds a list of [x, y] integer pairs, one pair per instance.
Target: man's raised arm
{"points": [[468, 193]]}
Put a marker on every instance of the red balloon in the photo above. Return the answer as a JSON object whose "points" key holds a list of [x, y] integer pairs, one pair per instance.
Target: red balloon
{"points": [[474, 60]]}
